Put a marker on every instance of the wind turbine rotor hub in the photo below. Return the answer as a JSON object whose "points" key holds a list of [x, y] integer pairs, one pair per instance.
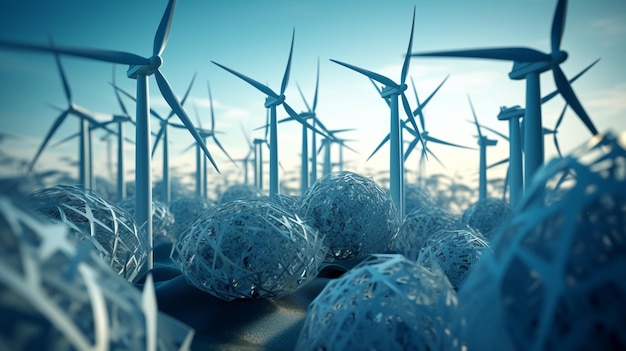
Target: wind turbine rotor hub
{"points": [[559, 57], [274, 101], [146, 70]]}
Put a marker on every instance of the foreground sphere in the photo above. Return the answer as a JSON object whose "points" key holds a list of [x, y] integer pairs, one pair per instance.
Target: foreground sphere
{"points": [[356, 216], [86, 212], [384, 303], [248, 249], [556, 279], [486, 215]]}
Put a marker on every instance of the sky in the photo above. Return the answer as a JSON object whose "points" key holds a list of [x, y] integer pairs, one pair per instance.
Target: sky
{"points": [[253, 38]]}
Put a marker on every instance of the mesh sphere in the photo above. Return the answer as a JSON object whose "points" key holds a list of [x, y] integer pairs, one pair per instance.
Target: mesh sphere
{"points": [[556, 279], [384, 303], [248, 249], [419, 226], [289, 203], [487, 215], [416, 197], [455, 252], [162, 219], [241, 192], [88, 214], [185, 211], [356, 216], [56, 295]]}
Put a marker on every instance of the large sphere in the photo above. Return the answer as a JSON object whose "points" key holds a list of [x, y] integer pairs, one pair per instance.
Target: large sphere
{"points": [[185, 211], [454, 251], [556, 279], [356, 216], [88, 214], [56, 295], [248, 249], [487, 215], [384, 303], [162, 219]]}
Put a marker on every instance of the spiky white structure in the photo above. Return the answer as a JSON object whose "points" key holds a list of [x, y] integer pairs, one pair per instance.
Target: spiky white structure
{"points": [[356, 216], [162, 219], [55, 295], [249, 249], [185, 211], [487, 215], [454, 251], [240, 192], [556, 279], [386, 302], [89, 215], [419, 226]]}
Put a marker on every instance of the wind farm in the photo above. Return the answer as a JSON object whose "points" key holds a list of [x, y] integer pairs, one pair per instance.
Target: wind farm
{"points": [[273, 215]]}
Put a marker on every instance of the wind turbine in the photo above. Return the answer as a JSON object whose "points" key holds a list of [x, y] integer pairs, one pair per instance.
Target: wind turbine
{"points": [[246, 159], [140, 69], [271, 102], [529, 64], [391, 92], [483, 142]]}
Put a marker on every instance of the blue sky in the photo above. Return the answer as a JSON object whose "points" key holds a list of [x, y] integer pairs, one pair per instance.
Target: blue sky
{"points": [[253, 38]]}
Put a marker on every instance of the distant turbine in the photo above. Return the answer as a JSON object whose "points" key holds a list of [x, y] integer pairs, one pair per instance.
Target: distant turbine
{"points": [[246, 159], [391, 92], [140, 69], [529, 64], [483, 142]]}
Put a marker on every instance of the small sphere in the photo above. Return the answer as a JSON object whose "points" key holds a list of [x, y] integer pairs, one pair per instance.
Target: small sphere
{"points": [[185, 211], [487, 215], [416, 197], [240, 192], [354, 214], [162, 219], [249, 249]]}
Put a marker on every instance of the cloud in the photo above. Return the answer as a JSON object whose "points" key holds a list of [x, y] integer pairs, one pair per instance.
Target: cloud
{"points": [[609, 102], [612, 29]]}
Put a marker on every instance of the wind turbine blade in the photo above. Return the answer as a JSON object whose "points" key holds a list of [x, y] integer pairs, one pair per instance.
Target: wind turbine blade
{"points": [[317, 85], [420, 107], [303, 99], [434, 156], [418, 110], [480, 135], [157, 139], [407, 58], [498, 163], [263, 88], [66, 86], [211, 106], [130, 96], [168, 95], [293, 114], [117, 95], [195, 110], [188, 148], [410, 148], [558, 25], [267, 122], [182, 102], [558, 121], [217, 142], [163, 32], [554, 93], [386, 139], [342, 130], [64, 140], [57, 123], [496, 132], [380, 92], [439, 141], [570, 97], [245, 135], [375, 76], [556, 144], [283, 86], [520, 54], [409, 114]]}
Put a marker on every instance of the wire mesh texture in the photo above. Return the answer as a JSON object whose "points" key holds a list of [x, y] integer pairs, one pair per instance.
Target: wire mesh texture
{"points": [[556, 279], [89, 215], [56, 295], [162, 219], [240, 192], [249, 249], [386, 302], [354, 214], [185, 211], [487, 215]]}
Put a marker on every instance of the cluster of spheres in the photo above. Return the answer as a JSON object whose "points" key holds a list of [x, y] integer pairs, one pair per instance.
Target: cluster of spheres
{"points": [[353, 213], [185, 210], [556, 277], [386, 302], [487, 215], [57, 295], [249, 249], [89, 215]]}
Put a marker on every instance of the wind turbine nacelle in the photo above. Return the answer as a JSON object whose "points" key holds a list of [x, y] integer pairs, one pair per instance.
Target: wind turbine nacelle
{"points": [[521, 69], [145, 70], [509, 113], [490, 142], [119, 118], [389, 91]]}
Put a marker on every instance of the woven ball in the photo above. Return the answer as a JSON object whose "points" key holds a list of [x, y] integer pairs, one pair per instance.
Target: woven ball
{"points": [[162, 219], [556, 279], [249, 249], [416, 197], [356, 216], [240, 192], [88, 214], [56, 295], [419, 226], [185, 211], [289, 203], [487, 215], [385, 302], [455, 252]]}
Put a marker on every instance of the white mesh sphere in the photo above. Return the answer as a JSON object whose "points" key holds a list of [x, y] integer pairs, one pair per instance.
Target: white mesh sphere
{"points": [[416, 197], [162, 219], [249, 249], [385, 302], [455, 252], [88, 214], [356, 216], [487, 215], [56, 295], [240, 192], [418, 226], [289, 203], [185, 211], [556, 279]]}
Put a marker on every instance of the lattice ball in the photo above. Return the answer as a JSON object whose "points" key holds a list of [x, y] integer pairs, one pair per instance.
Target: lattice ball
{"points": [[556, 279], [162, 219], [290, 203], [386, 302], [419, 226], [241, 192], [249, 249], [487, 215], [185, 211], [416, 197], [88, 214], [55, 295], [455, 252], [356, 216]]}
